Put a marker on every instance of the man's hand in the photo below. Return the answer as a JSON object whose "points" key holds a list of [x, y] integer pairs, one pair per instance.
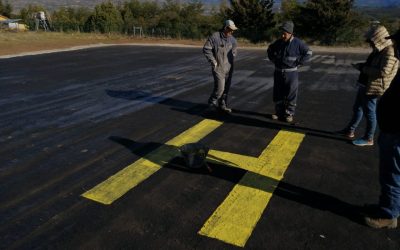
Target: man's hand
{"points": [[214, 65]]}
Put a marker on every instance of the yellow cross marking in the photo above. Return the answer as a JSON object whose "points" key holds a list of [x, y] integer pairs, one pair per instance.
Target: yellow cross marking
{"points": [[235, 219]]}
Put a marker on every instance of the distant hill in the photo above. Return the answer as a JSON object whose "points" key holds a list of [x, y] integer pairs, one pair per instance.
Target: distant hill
{"points": [[367, 3], [55, 4], [377, 3]]}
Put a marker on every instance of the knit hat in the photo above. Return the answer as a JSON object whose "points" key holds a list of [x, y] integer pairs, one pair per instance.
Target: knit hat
{"points": [[287, 26]]}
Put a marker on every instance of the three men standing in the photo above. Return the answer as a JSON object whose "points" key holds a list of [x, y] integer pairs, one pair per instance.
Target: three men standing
{"points": [[287, 53], [220, 50]]}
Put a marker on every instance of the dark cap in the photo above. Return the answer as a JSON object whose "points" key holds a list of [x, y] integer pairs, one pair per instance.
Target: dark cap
{"points": [[395, 36], [288, 27]]}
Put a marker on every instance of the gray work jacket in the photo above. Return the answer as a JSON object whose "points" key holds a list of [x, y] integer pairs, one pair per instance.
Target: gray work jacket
{"points": [[220, 51]]}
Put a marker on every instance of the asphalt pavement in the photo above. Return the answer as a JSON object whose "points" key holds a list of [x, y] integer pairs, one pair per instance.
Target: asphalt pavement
{"points": [[112, 119]]}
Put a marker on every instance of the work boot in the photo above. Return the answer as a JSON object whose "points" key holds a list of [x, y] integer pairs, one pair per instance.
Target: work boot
{"points": [[274, 117], [289, 118], [346, 132], [223, 104], [225, 109], [212, 105], [380, 222]]}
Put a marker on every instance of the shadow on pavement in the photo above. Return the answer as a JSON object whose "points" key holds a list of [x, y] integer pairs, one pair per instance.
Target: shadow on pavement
{"points": [[282, 189], [242, 117]]}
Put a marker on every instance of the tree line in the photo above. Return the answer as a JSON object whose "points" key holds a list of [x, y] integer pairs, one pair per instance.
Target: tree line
{"points": [[326, 22], [5, 8]]}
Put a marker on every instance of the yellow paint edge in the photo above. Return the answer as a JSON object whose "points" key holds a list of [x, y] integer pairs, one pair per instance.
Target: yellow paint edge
{"points": [[117, 185], [235, 219]]}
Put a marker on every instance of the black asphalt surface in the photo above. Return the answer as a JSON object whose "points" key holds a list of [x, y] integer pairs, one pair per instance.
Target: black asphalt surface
{"points": [[69, 120]]}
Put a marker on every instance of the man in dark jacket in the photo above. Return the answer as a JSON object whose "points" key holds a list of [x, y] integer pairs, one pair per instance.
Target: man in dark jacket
{"points": [[287, 53], [389, 153], [220, 51]]}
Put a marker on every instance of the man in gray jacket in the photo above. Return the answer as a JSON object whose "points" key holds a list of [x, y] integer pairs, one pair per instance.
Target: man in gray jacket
{"points": [[220, 51]]}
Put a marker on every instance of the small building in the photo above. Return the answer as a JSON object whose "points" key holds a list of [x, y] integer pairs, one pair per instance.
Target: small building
{"points": [[11, 24]]}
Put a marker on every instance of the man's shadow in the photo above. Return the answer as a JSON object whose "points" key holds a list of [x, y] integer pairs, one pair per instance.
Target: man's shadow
{"points": [[242, 117], [282, 189]]}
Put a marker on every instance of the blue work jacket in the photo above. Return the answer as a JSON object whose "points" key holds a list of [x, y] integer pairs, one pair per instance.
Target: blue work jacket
{"points": [[290, 54]]}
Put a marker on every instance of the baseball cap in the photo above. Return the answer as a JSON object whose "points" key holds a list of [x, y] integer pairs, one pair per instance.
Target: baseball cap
{"points": [[230, 24]]}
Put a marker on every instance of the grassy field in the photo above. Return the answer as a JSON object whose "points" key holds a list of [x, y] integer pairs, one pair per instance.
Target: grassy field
{"points": [[20, 42]]}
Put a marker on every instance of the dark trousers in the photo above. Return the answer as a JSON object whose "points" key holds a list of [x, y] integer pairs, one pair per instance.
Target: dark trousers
{"points": [[389, 174], [286, 86]]}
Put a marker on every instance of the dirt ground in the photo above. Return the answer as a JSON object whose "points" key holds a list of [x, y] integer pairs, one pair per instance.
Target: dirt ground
{"points": [[15, 43], [12, 43]]}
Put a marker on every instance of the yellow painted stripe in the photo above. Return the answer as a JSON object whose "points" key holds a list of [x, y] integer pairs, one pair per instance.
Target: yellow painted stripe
{"points": [[129, 177], [234, 220], [248, 163]]}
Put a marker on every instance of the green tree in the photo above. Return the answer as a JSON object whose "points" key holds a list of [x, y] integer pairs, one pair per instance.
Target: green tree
{"points": [[5, 9], [1, 7], [106, 19], [353, 32], [90, 24], [81, 16], [191, 13], [150, 15], [170, 19], [322, 20], [214, 21], [61, 20], [289, 9], [70, 19], [140, 14], [253, 17], [128, 18]]}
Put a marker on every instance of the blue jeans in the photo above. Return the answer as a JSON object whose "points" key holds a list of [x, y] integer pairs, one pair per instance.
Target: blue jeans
{"points": [[389, 174], [364, 104]]}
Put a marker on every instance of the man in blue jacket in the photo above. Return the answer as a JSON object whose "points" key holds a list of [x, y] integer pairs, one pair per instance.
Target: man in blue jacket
{"points": [[287, 53], [220, 51]]}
